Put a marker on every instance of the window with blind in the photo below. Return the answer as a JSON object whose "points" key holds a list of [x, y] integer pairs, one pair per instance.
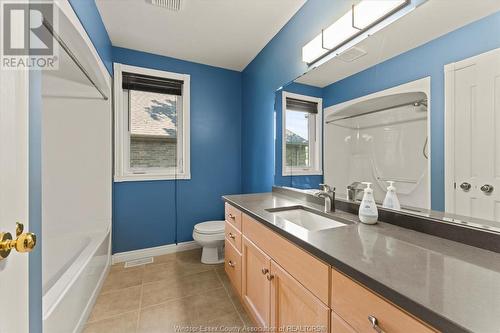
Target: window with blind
{"points": [[152, 124], [301, 149]]}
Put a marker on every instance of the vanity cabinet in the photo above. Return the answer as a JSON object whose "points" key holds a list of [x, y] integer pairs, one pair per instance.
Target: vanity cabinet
{"points": [[293, 305], [232, 247], [354, 303], [233, 236], [311, 272], [282, 285], [339, 325], [273, 297], [233, 266], [256, 287], [233, 216]]}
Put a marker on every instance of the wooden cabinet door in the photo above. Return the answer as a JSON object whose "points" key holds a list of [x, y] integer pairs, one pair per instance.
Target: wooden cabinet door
{"points": [[256, 286], [293, 306], [340, 326]]}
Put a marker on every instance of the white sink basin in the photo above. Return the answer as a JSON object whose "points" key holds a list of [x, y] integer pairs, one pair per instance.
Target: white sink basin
{"points": [[306, 219]]}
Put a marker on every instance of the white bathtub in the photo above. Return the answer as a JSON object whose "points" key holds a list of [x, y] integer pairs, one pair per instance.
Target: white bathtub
{"points": [[73, 273]]}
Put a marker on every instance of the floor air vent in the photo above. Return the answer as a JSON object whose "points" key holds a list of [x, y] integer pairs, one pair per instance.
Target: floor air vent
{"points": [[174, 5], [138, 262]]}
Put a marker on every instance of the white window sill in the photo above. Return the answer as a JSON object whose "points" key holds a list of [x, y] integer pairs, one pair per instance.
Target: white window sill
{"points": [[146, 177], [301, 172]]}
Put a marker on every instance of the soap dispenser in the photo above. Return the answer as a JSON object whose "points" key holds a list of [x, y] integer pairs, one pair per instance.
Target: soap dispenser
{"points": [[391, 199], [368, 212]]}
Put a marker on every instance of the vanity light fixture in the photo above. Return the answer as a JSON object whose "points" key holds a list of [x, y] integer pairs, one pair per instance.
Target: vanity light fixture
{"points": [[357, 22]]}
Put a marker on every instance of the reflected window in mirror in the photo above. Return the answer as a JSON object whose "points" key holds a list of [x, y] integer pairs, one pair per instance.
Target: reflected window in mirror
{"points": [[301, 150]]}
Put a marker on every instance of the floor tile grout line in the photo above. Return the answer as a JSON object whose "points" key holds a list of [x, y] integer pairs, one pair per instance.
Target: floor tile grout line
{"points": [[179, 298], [119, 289], [140, 308], [110, 317], [181, 275], [230, 298]]}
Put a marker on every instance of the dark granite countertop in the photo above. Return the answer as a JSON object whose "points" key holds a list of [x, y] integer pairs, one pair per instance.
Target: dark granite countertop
{"points": [[452, 286]]}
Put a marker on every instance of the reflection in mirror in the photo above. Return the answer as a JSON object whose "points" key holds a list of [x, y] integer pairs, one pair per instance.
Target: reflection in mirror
{"points": [[299, 117], [410, 102], [379, 138]]}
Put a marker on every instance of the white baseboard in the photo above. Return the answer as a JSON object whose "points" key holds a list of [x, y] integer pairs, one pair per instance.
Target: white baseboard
{"points": [[153, 251]]}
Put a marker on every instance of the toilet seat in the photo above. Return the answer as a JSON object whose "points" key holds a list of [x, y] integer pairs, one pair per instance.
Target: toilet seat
{"points": [[210, 227]]}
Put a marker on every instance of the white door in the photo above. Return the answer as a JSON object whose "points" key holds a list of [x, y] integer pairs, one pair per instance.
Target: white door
{"points": [[473, 136], [13, 197]]}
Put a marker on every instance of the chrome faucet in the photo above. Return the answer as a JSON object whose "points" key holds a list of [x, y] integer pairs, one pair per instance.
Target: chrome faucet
{"points": [[328, 194], [353, 190]]}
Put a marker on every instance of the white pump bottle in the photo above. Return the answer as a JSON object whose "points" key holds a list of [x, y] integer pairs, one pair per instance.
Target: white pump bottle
{"points": [[391, 199], [368, 212]]}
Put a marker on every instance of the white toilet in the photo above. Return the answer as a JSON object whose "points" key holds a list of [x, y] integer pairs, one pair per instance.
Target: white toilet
{"points": [[210, 235]]}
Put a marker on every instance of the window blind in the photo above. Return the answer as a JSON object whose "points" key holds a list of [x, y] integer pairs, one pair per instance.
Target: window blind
{"points": [[293, 104], [148, 83]]}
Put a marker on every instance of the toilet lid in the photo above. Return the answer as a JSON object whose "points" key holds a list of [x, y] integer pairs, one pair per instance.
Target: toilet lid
{"points": [[210, 227]]}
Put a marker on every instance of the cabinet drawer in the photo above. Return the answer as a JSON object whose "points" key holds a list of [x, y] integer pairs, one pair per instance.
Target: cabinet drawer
{"points": [[233, 236], [309, 271], [233, 216], [354, 303], [339, 325], [232, 265]]}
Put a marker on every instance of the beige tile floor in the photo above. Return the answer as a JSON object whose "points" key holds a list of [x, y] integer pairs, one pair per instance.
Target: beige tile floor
{"points": [[177, 289]]}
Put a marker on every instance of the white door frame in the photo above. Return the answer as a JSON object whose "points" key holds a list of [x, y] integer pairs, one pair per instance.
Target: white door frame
{"points": [[449, 122]]}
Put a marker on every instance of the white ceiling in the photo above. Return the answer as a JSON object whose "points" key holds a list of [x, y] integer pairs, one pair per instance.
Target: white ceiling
{"points": [[432, 19], [223, 33]]}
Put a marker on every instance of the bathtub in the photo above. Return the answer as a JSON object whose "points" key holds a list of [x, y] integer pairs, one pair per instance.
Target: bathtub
{"points": [[73, 272]]}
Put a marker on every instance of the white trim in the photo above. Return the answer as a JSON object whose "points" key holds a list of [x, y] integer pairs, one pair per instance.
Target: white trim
{"points": [[449, 144], [121, 117], [153, 251], [316, 167]]}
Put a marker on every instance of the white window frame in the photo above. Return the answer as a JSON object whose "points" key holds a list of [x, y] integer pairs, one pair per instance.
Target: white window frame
{"points": [[123, 172], [315, 142]]}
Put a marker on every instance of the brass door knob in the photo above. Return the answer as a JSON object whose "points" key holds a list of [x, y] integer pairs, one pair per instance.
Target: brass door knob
{"points": [[25, 242]]}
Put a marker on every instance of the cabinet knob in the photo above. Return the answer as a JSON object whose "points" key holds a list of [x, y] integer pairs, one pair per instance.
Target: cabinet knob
{"points": [[269, 277], [486, 188], [231, 216], [374, 322], [231, 235], [231, 264], [265, 271], [465, 186]]}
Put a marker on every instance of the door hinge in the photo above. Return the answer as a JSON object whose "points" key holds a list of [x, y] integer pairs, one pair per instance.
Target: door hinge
{"points": [[454, 185]]}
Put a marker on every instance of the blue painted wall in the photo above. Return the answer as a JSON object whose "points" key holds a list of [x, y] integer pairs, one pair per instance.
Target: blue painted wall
{"points": [[426, 60], [305, 182], [89, 16], [278, 63], [156, 213]]}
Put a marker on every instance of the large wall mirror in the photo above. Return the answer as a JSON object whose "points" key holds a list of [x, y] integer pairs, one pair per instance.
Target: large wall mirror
{"points": [[410, 96]]}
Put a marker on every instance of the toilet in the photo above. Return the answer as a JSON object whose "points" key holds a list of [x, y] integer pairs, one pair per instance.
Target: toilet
{"points": [[210, 235]]}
